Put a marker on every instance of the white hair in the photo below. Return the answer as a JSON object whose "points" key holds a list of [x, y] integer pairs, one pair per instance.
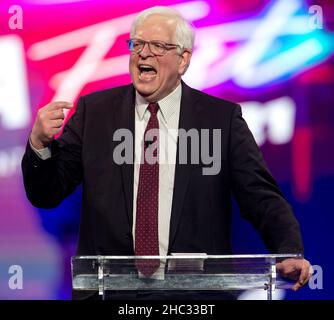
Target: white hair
{"points": [[184, 33]]}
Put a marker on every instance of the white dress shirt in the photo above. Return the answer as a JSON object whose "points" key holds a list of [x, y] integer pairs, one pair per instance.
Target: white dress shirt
{"points": [[168, 117]]}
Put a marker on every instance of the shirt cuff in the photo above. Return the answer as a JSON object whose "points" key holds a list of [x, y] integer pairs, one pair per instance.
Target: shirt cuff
{"points": [[44, 153]]}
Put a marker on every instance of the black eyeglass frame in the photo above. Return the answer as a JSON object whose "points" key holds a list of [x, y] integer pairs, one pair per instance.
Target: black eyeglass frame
{"points": [[166, 46]]}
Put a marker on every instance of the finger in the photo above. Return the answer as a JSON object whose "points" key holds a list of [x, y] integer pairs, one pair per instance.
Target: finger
{"points": [[296, 286], [56, 123], [60, 105], [304, 274], [308, 277], [310, 273], [55, 131], [52, 132], [56, 114]]}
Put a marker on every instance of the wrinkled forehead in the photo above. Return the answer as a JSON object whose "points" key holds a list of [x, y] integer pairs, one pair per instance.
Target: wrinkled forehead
{"points": [[156, 27]]}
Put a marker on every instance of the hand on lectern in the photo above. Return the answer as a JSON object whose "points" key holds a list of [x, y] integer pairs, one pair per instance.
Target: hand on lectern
{"points": [[295, 269]]}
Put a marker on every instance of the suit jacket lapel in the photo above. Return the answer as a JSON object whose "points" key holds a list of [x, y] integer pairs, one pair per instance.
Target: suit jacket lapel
{"points": [[182, 171], [126, 120]]}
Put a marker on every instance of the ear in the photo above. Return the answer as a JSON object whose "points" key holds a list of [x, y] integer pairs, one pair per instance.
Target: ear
{"points": [[184, 61]]}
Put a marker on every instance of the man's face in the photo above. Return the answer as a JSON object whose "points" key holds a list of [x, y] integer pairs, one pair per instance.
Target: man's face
{"points": [[167, 70]]}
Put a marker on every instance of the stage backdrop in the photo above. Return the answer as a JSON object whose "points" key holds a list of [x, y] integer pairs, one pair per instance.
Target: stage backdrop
{"points": [[275, 58]]}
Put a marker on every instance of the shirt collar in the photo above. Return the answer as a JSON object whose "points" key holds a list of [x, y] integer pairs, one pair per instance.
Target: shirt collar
{"points": [[167, 106]]}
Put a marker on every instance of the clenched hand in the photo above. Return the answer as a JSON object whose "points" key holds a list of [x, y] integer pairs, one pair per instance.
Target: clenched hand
{"points": [[48, 123]]}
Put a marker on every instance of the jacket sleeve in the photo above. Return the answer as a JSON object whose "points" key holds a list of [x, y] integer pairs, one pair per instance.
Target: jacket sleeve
{"points": [[259, 198], [48, 182]]}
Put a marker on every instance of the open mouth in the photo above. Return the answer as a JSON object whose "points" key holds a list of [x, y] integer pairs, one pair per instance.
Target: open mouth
{"points": [[146, 71]]}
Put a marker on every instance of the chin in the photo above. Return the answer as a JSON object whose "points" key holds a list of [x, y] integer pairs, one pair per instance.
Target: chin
{"points": [[143, 90]]}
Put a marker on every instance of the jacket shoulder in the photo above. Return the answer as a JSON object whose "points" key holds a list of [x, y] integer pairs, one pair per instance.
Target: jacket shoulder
{"points": [[100, 96], [215, 102]]}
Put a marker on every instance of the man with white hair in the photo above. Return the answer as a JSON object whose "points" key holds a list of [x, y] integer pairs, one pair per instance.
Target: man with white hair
{"points": [[146, 207]]}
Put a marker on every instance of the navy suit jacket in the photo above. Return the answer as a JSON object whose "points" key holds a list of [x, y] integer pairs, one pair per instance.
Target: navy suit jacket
{"points": [[201, 207]]}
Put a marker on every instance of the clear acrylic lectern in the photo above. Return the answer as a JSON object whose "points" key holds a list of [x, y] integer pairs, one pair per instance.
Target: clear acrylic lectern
{"points": [[180, 272]]}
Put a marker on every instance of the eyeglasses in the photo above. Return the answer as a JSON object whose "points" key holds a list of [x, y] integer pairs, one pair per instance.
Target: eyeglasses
{"points": [[158, 48]]}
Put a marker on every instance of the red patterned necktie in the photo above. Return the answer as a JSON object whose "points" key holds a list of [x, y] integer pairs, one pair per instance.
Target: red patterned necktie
{"points": [[146, 233]]}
